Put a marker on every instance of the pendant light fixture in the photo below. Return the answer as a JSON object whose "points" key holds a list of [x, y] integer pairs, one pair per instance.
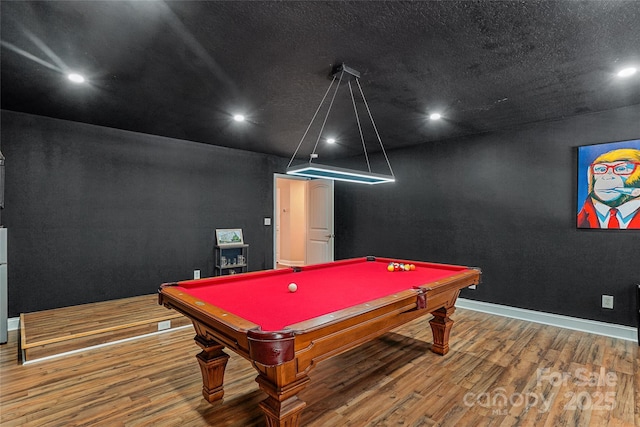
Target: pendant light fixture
{"points": [[311, 169]]}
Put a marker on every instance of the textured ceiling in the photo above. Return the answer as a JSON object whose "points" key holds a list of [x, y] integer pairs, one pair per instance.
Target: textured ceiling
{"points": [[181, 69]]}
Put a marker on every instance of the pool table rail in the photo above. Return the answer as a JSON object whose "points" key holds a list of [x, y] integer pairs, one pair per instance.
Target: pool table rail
{"points": [[210, 322]]}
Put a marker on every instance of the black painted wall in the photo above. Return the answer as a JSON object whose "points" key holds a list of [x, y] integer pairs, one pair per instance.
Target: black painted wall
{"points": [[95, 213], [504, 202]]}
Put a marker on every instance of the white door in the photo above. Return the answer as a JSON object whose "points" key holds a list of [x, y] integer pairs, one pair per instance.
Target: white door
{"points": [[320, 232]]}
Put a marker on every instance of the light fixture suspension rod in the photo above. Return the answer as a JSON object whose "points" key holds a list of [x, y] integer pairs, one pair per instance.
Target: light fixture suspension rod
{"points": [[326, 117], [355, 110], [310, 123], [374, 127]]}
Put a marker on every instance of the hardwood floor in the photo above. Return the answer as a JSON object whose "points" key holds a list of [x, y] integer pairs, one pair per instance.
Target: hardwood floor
{"points": [[499, 372], [51, 332]]}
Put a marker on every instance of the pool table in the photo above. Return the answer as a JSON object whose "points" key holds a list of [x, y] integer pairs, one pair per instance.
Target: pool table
{"points": [[336, 307]]}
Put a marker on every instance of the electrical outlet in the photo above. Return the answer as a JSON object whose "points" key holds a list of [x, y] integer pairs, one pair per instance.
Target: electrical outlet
{"points": [[165, 324], [196, 274], [267, 221], [607, 301]]}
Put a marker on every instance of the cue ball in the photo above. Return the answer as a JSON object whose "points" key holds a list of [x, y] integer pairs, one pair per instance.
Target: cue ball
{"points": [[293, 287]]}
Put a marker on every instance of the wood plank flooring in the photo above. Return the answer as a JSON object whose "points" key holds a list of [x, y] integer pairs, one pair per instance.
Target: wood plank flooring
{"points": [[499, 372], [50, 332]]}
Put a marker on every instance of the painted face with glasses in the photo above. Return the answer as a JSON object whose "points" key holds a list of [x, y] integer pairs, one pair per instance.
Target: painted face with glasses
{"points": [[609, 180], [614, 191]]}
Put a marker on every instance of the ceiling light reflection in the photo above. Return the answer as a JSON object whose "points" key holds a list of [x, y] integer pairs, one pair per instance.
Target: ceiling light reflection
{"points": [[627, 72], [75, 77]]}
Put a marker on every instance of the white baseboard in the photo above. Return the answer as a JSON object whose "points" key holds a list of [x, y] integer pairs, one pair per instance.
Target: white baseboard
{"points": [[93, 347], [13, 324], [291, 263], [594, 327]]}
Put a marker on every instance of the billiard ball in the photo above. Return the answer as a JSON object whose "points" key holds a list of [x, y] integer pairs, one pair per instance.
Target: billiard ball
{"points": [[293, 287], [390, 267], [412, 267]]}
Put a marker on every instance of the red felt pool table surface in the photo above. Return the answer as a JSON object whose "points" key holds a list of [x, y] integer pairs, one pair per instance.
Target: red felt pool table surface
{"points": [[263, 298], [338, 306]]}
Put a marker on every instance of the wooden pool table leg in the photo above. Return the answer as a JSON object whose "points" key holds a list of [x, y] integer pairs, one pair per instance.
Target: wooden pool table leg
{"points": [[282, 408], [441, 328], [213, 362]]}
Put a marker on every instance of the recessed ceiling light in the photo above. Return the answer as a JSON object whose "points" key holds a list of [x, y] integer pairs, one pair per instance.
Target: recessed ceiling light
{"points": [[238, 118], [76, 78], [627, 72], [331, 141], [435, 116]]}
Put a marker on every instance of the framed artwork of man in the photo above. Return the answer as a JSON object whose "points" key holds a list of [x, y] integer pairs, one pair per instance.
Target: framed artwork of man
{"points": [[609, 186]]}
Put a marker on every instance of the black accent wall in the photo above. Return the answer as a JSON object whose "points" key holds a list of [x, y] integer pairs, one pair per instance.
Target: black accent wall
{"points": [[505, 202], [95, 213]]}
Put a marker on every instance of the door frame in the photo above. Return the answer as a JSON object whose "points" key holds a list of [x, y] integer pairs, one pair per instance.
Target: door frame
{"points": [[276, 214], [275, 218]]}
